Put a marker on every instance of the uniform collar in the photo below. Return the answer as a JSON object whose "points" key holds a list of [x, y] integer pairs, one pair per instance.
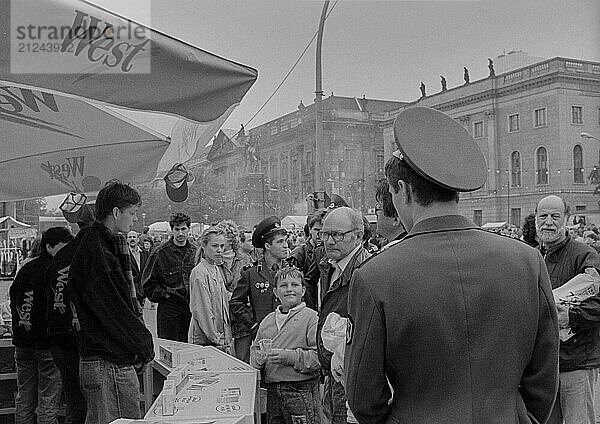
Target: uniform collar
{"points": [[442, 223]]}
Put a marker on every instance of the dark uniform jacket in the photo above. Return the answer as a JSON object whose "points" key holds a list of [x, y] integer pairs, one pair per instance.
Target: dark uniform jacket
{"points": [[303, 257], [334, 297], [28, 304], [583, 349], [167, 273], [463, 324], [63, 324], [110, 325], [252, 299]]}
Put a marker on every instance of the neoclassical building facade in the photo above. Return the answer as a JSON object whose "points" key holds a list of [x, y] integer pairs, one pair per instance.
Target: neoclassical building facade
{"points": [[528, 123]]}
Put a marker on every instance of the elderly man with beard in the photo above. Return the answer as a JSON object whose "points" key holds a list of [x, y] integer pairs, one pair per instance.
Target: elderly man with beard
{"points": [[166, 280], [580, 354]]}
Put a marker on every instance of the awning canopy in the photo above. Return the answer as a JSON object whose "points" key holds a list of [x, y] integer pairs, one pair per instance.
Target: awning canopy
{"points": [[294, 222], [493, 225]]}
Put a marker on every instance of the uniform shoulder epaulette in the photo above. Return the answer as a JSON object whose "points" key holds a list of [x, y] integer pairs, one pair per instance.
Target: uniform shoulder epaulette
{"points": [[250, 265]]}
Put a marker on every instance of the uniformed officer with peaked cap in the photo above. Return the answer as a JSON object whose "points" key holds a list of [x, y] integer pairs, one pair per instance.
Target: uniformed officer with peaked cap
{"points": [[459, 321], [253, 297]]}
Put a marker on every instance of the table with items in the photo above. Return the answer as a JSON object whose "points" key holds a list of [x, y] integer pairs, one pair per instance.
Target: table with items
{"points": [[201, 383]]}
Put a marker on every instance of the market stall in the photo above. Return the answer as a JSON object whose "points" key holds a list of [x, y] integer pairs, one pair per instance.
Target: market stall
{"points": [[12, 236]]}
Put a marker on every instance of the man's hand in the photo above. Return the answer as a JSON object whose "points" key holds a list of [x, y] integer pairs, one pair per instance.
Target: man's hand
{"points": [[563, 316]]}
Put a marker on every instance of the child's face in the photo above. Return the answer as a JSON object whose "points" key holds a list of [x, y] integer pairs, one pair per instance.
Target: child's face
{"points": [[289, 291]]}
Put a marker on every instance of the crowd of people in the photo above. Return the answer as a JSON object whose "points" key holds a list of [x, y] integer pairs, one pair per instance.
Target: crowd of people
{"points": [[427, 320]]}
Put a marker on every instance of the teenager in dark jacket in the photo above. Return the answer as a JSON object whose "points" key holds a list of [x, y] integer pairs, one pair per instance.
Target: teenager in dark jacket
{"points": [[114, 343], [38, 379], [166, 280], [63, 323]]}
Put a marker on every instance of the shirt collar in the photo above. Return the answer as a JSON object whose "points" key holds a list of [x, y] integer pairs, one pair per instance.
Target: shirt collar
{"points": [[294, 309]]}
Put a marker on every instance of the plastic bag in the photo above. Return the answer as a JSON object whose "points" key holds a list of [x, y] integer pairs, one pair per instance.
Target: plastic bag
{"points": [[333, 334]]}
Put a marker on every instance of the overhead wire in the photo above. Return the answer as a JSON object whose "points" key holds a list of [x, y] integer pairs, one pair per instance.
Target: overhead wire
{"points": [[291, 70]]}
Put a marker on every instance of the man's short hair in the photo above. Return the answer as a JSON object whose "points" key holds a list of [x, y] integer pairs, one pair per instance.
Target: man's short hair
{"points": [[425, 191], [115, 194], [179, 218], [384, 198], [55, 235], [289, 271]]}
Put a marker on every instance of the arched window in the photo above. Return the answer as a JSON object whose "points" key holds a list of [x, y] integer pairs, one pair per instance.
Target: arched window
{"points": [[577, 164], [541, 166], [515, 169]]}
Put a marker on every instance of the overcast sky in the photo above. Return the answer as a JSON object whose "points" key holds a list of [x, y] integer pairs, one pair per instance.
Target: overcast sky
{"points": [[382, 49]]}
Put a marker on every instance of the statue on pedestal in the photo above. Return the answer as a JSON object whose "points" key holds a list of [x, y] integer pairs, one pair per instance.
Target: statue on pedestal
{"points": [[491, 68], [422, 88], [443, 83], [466, 75]]}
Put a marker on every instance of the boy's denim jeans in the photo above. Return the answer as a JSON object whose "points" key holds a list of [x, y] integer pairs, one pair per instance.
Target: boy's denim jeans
{"points": [[39, 386], [295, 402], [112, 391]]}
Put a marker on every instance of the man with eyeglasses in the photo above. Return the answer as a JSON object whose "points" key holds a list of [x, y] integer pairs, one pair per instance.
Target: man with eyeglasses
{"points": [[461, 323], [342, 233]]}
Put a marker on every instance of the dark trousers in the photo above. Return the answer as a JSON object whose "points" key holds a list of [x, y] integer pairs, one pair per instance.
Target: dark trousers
{"points": [[173, 321], [242, 347], [66, 359]]}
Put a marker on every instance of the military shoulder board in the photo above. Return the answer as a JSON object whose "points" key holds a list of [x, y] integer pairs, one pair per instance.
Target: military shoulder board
{"points": [[248, 266]]}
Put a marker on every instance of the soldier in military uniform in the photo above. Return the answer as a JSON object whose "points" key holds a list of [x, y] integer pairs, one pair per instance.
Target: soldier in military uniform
{"points": [[253, 296], [461, 323]]}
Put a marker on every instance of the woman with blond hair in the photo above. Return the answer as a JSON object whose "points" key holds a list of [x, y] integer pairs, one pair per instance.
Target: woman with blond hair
{"points": [[209, 299]]}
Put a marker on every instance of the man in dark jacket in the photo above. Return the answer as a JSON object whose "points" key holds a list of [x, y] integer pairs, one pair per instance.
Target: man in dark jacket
{"points": [[579, 354], [166, 280], [38, 379], [115, 344], [342, 235], [63, 323]]}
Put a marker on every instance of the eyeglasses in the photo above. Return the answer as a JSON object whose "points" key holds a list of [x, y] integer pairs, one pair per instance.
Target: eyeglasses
{"points": [[336, 235], [73, 202]]}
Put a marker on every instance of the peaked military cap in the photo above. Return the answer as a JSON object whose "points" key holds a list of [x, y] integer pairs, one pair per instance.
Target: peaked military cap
{"points": [[439, 149], [265, 228]]}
